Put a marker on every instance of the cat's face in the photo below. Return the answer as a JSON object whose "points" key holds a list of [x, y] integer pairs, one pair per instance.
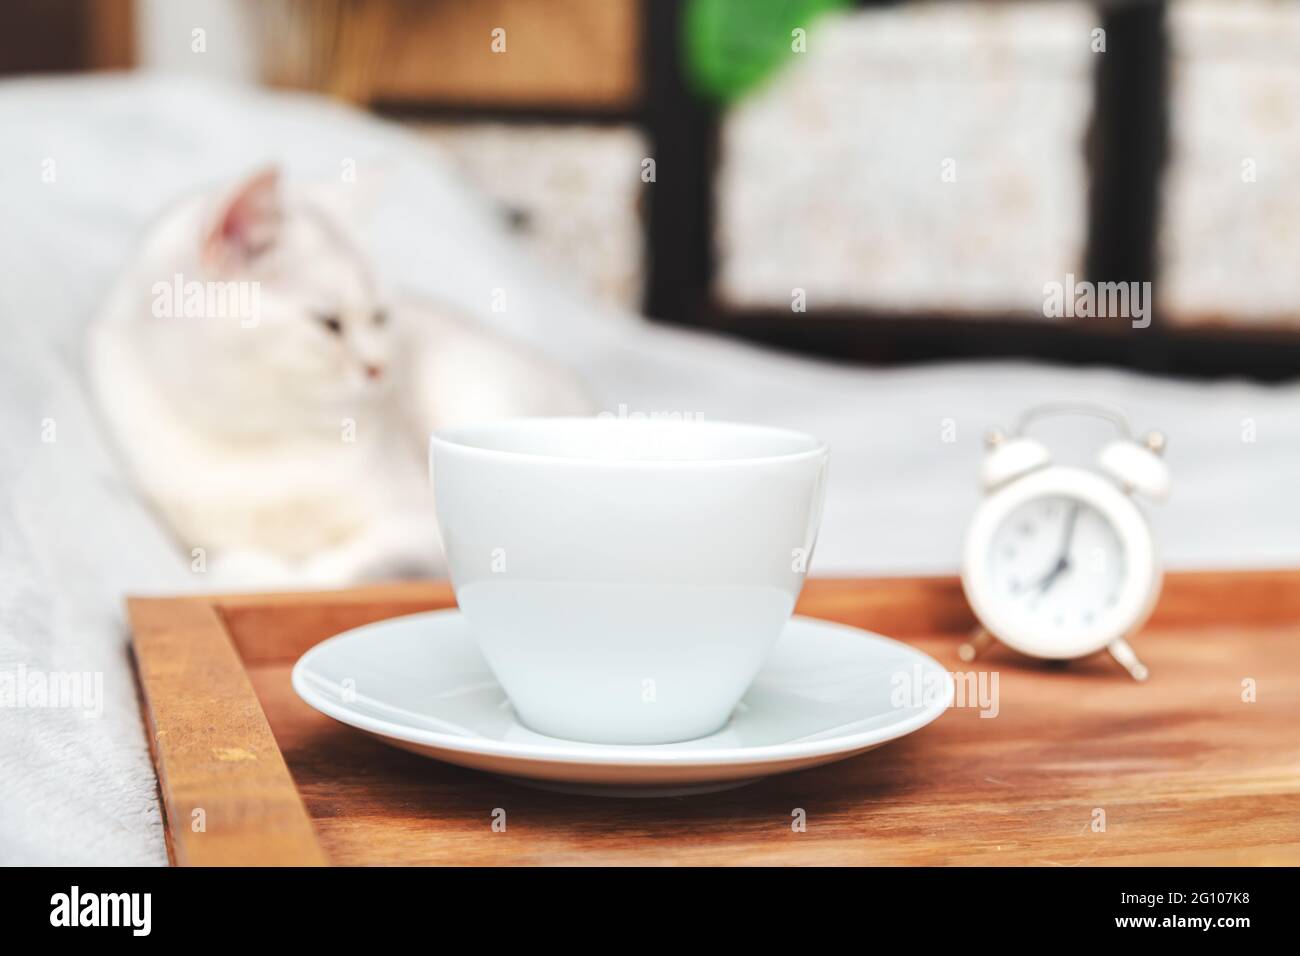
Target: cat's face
{"points": [[321, 334]]}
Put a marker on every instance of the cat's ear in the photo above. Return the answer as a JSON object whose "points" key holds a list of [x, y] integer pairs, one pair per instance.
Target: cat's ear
{"points": [[247, 222]]}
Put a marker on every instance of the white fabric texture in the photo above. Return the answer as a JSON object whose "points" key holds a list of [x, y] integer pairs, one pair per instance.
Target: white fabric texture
{"points": [[74, 538]]}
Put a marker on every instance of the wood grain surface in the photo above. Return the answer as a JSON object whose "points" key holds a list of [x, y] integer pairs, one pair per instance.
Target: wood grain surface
{"points": [[558, 54], [226, 793], [1181, 770]]}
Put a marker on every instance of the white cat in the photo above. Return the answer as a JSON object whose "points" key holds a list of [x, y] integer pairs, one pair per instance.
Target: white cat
{"points": [[273, 409]]}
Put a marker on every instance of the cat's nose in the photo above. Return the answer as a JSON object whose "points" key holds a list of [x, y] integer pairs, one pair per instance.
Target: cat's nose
{"points": [[374, 372]]}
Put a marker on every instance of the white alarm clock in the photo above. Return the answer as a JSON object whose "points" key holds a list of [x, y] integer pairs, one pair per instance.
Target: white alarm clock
{"points": [[1059, 561]]}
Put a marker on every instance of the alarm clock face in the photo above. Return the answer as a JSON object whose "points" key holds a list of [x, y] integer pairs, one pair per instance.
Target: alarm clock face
{"points": [[1060, 563]]}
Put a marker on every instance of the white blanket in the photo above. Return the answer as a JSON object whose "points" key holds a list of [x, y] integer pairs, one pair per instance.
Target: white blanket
{"points": [[85, 163]]}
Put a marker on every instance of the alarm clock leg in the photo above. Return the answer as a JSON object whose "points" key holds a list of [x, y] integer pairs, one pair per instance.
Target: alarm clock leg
{"points": [[1123, 653], [977, 645]]}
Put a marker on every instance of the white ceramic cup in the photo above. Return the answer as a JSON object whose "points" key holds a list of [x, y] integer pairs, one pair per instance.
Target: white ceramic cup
{"points": [[626, 578]]}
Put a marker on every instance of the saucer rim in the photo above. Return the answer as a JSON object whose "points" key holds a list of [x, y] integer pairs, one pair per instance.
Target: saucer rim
{"points": [[579, 753]]}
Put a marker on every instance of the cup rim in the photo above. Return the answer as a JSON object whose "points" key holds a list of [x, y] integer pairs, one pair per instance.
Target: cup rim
{"points": [[454, 438]]}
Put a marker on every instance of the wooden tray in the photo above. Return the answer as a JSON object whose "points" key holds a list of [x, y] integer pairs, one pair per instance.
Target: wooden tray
{"points": [[1185, 771]]}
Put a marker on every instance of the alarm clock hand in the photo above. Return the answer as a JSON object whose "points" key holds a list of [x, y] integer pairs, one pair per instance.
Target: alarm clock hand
{"points": [[1040, 588], [1068, 536], [1050, 577], [1063, 560]]}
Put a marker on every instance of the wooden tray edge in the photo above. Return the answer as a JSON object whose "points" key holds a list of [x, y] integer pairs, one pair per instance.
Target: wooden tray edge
{"points": [[228, 797]]}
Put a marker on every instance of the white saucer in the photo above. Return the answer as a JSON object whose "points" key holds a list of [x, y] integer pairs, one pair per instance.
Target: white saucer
{"points": [[827, 692]]}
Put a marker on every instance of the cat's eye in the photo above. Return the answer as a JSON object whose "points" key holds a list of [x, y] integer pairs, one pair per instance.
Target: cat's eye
{"points": [[381, 317], [331, 322]]}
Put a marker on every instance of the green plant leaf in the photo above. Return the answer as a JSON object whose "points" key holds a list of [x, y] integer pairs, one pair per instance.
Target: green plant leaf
{"points": [[731, 46]]}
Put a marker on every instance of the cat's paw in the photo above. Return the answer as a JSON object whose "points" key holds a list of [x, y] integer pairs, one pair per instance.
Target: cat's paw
{"points": [[393, 552], [249, 570], [401, 568]]}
